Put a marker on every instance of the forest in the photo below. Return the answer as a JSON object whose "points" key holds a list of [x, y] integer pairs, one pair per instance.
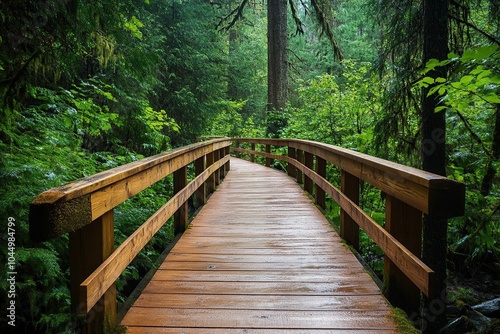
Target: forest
{"points": [[87, 86]]}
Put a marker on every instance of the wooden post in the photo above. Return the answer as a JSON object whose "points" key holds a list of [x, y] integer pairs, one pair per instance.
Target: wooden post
{"points": [[349, 230], [88, 248], [309, 162], [269, 161], [405, 224], [291, 170], [300, 158], [222, 170], [181, 215], [252, 156], [227, 165], [211, 179], [237, 152], [217, 172], [320, 193], [201, 192]]}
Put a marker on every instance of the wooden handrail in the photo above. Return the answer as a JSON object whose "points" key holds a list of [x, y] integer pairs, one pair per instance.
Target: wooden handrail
{"points": [[409, 193], [84, 208]]}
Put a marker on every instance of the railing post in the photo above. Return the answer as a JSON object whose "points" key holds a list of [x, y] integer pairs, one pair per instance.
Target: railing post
{"points": [[217, 172], [181, 215], [237, 152], [201, 192], [321, 171], [252, 156], [88, 248], [349, 230], [227, 165], [300, 159], [291, 170], [309, 162], [269, 161], [404, 223], [222, 169], [211, 179]]}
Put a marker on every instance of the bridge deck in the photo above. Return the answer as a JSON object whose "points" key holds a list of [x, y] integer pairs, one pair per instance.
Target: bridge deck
{"points": [[260, 258]]}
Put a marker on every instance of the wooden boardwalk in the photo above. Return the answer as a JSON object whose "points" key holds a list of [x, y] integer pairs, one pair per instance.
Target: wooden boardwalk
{"points": [[260, 258]]}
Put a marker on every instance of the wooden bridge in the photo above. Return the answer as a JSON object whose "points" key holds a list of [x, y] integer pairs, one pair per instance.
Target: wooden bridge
{"points": [[259, 257]]}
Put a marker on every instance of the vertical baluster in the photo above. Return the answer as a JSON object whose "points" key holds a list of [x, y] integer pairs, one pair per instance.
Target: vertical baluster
{"points": [[88, 248], [211, 179], [181, 215], [291, 170], [309, 162], [320, 193], [269, 161], [227, 165], [300, 158], [217, 172], [237, 152], [252, 156], [349, 230], [201, 192], [405, 224]]}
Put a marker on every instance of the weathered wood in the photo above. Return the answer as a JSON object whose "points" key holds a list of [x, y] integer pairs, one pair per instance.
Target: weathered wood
{"points": [[269, 162], [181, 215], [291, 170], [269, 263], [319, 192], [405, 224], [69, 207], [96, 284], [309, 163], [89, 247], [349, 230], [430, 193], [417, 271], [252, 156], [210, 183], [227, 166], [300, 159], [217, 172], [201, 192]]}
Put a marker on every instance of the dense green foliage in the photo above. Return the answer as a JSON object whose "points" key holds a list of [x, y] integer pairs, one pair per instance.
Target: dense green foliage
{"points": [[84, 88]]}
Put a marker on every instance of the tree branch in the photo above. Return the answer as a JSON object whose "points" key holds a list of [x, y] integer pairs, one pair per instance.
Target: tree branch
{"points": [[236, 13], [474, 135], [491, 38]]}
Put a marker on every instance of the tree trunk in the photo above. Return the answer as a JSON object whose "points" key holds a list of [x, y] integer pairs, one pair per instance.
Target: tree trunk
{"points": [[434, 243], [277, 63]]}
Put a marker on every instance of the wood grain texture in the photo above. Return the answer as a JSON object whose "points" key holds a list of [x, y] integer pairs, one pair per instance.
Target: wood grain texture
{"points": [[429, 193], [73, 205], [260, 258]]}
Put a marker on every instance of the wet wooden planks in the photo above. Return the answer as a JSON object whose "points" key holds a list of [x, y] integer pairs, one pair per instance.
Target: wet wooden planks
{"points": [[260, 258]]}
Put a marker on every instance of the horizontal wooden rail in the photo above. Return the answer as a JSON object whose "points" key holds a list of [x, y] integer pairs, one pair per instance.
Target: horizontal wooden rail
{"points": [[409, 193], [94, 287], [84, 209]]}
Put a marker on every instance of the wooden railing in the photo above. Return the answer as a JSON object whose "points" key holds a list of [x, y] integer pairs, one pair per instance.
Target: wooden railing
{"points": [[84, 209], [409, 193]]}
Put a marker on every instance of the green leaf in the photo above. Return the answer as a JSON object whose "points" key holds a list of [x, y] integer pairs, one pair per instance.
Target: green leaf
{"points": [[492, 98], [439, 108], [466, 79], [425, 82], [440, 80]]}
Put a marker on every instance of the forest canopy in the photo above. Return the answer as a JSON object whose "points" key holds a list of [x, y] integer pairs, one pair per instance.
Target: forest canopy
{"points": [[87, 87]]}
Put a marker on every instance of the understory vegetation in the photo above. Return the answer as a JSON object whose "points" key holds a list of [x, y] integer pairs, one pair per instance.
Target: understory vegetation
{"points": [[85, 88]]}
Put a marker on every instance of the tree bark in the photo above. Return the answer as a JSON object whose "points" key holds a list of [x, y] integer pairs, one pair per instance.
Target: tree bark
{"points": [[434, 243], [277, 64]]}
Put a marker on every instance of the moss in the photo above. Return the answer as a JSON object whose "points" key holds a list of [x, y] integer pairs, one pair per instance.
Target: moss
{"points": [[110, 328], [402, 321]]}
